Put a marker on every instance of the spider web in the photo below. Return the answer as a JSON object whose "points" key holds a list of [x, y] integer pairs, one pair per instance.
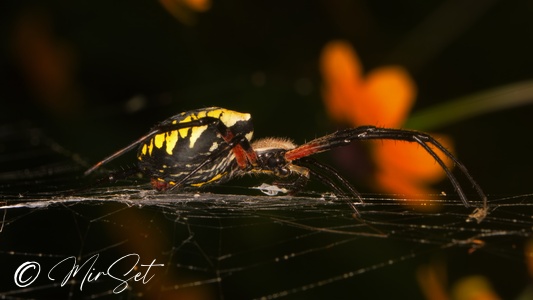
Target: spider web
{"points": [[205, 245]]}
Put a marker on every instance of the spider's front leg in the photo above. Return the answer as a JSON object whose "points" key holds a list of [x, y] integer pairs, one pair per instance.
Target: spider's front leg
{"points": [[424, 140]]}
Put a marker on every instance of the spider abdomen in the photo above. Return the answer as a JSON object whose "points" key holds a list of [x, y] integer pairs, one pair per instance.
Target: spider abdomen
{"points": [[170, 156]]}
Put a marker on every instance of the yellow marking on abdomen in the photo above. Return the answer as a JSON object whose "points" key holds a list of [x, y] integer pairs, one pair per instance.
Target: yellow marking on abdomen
{"points": [[144, 149], [183, 132], [215, 178], [159, 140], [196, 132], [171, 139], [228, 117], [151, 147], [167, 138]]}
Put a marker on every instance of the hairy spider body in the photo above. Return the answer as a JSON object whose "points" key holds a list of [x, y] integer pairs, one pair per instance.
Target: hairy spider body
{"points": [[212, 145]]}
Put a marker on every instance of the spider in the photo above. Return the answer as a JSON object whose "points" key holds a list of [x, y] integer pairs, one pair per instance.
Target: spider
{"points": [[212, 145]]}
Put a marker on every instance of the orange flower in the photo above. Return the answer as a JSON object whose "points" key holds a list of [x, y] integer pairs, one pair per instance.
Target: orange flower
{"points": [[432, 279], [384, 98], [185, 10]]}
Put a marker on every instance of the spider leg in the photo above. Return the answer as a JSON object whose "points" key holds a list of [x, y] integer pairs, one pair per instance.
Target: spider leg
{"points": [[332, 172], [238, 141], [160, 128], [327, 170], [302, 169], [244, 153], [111, 178], [345, 137], [120, 152]]}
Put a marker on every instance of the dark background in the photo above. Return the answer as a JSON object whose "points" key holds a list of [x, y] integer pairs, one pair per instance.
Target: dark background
{"points": [[125, 65]]}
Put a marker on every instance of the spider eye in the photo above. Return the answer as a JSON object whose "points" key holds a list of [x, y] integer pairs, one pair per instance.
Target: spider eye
{"points": [[283, 171], [275, 161]]}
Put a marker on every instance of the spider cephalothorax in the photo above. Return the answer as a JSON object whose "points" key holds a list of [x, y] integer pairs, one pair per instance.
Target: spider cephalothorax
{"points": [[271, 156]]}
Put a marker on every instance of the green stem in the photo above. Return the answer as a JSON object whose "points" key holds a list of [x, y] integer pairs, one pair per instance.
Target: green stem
{"points": [[499, 98]]}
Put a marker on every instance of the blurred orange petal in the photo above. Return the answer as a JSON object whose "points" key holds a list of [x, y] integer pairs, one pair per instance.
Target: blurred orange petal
{"points": [[339, 61], [406, 168], [411, 160], [474, 288], [418, 195], [337, 105], [383, 97], [341, 71], [432, 280], [198, 5], [389, 95], [389, 182], [183, 10], [528, 249]]}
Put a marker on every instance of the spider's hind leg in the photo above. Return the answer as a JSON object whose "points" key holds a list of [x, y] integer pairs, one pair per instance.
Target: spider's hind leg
{"points": [[110, 179], [123, 174]]}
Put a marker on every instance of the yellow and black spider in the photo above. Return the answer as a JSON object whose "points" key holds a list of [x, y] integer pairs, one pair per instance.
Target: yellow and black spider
{"points": [[213, 145]]}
